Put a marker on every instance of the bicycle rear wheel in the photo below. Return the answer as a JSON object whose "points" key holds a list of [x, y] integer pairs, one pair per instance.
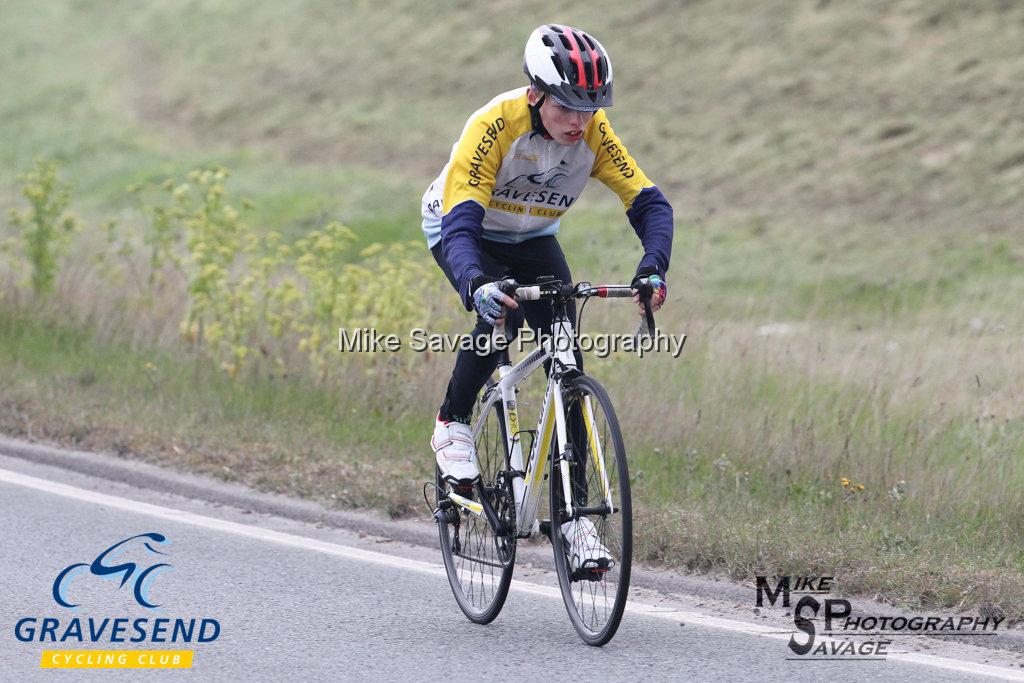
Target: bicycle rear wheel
{"points": [[595, 593], [478, 563]]}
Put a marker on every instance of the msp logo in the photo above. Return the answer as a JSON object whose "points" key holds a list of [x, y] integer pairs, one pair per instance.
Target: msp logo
{"points": [[113, 564], [874, 633], [98, 567]]}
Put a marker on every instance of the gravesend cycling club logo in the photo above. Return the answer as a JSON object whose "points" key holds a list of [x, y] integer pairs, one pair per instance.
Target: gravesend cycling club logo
{"points": [[127, 570], [846, 636], [135, 562]]}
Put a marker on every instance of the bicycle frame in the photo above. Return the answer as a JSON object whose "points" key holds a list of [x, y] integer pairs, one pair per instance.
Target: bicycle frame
{"points": [[527, 484], [591, 533]]}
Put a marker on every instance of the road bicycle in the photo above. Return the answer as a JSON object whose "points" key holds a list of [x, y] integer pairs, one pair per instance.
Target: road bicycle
{"points": [[577, 447]]}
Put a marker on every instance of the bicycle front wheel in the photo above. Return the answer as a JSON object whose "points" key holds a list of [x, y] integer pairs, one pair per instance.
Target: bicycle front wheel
{"points": [[592, 535], [479, 563]]}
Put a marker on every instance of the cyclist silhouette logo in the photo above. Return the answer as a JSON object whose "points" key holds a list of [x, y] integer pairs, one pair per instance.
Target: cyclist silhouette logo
{"points": [[105, 567], [551, 178]]}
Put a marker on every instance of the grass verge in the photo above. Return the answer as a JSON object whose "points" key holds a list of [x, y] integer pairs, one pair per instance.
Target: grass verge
{"points": [[705, 499]]}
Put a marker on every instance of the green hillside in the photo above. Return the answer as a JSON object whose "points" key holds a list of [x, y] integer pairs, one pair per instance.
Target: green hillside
{"points": [[883, 138]]}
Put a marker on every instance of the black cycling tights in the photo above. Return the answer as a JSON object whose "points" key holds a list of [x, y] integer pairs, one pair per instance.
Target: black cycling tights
{"points": [[525, 262]]}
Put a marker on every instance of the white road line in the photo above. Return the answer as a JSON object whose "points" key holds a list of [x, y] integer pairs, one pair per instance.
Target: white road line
{"points": [[437, 569]]}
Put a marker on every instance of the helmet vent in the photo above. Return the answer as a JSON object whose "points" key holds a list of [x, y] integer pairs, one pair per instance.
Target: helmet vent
{"points": [[558, 68]]}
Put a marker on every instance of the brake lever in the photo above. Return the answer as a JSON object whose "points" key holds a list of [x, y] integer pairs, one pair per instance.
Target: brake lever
{"points": [[508, 287], [646, 326]]}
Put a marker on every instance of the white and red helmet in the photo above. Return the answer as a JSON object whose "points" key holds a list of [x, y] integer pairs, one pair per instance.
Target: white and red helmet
{"points": [[570, 65]]}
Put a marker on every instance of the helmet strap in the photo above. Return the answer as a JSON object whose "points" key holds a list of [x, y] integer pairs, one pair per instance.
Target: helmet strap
{"points": [[535, 120]]}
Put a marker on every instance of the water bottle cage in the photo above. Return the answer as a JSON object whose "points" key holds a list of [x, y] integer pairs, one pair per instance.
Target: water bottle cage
{"points": [[533, 437]]}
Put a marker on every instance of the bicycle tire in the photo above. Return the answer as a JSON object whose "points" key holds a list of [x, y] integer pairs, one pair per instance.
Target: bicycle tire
{"points": [[478, 574], [594, 599]]}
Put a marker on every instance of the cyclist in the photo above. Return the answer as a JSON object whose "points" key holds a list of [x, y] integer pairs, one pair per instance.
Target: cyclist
{"points": [[521, 162]]}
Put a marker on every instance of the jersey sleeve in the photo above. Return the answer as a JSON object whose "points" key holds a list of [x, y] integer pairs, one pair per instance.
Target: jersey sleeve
{"points": [[648, 210], [467, 191]]}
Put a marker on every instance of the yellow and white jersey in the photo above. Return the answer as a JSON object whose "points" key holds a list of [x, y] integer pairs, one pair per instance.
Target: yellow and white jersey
{"points": [[507, 182], [522, 180]]}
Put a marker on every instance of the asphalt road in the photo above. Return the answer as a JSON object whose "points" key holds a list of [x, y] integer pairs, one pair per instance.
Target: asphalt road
{"points": [[296, 600]]}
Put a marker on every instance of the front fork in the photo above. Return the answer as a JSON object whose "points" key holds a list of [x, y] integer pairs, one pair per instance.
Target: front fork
{"points": [[574, 509], [565, 451]]}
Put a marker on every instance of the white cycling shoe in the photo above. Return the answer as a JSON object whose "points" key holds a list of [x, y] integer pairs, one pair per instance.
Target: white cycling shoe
{"points": [[455, 452], [584, 546]]}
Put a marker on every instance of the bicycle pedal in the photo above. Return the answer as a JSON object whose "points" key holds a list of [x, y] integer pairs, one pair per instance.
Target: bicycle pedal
{"points": [[592, 575]]}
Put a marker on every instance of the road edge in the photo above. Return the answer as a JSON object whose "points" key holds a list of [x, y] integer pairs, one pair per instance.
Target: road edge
{"points": [[419, 532]]}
